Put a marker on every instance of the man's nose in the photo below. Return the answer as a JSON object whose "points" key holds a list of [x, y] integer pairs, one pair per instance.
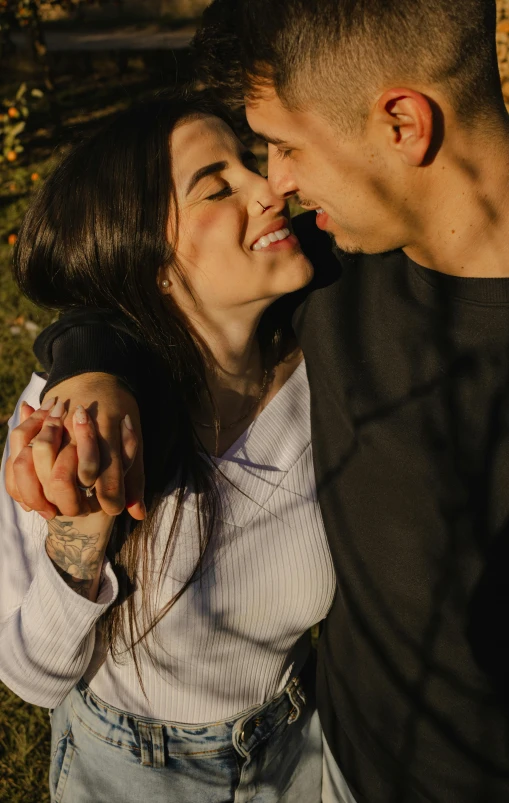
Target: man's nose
{"points": [[281, 180]]}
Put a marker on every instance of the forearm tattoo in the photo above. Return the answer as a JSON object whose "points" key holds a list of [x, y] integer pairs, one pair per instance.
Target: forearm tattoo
{"points": [[76, 556]]}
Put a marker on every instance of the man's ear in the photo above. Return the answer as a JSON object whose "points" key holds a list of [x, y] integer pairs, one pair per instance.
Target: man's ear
{"points": [[407, 119]]}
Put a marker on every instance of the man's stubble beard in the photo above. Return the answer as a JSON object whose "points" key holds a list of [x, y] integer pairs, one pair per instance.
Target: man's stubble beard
{"points": [[351, 248], [354, 250]]}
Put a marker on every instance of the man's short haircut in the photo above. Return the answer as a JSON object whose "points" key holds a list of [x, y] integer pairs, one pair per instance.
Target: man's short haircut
{"points": [[336, 54]]}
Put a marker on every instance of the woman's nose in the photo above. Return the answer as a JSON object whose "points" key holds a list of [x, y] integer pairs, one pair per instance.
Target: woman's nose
{"points": [[266, 202]]}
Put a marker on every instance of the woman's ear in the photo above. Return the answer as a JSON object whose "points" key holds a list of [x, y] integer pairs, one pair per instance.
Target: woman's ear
{"points": [[406, 118]]}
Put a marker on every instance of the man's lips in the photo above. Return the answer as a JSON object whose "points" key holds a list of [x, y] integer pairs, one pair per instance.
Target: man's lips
{"points": [[322, 219]]}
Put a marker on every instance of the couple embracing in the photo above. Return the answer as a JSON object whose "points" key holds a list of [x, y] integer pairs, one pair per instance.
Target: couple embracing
{"points": [[321, 414]]}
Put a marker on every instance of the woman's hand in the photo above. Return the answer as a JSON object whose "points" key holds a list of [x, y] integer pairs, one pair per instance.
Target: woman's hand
{"points": [[49, 467], [107, 403], [76, 543]]}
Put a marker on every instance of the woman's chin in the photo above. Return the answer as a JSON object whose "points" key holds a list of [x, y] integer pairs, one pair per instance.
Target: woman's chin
{"points": [[300, 273]]}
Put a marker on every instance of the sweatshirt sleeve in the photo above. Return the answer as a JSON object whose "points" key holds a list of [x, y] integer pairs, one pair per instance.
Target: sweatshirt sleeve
{"points": [[47, 631], [91, 340]]}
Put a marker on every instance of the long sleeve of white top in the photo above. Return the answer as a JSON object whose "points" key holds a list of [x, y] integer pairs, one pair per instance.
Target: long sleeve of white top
{"points": [[47, 631]]}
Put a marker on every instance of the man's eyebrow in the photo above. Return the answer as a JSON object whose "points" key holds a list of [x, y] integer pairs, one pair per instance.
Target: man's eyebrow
{"points": [[203, 172], [269, 139]]}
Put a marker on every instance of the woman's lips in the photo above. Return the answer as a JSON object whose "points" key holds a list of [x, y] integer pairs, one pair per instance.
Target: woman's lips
{"points": [[289, 243]]}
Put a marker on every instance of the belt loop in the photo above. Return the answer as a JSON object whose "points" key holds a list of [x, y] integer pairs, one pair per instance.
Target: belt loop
{"points": [[151, 745]]}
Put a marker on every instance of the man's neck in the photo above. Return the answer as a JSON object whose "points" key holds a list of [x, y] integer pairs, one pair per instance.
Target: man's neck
{"points": [[466, 223]]}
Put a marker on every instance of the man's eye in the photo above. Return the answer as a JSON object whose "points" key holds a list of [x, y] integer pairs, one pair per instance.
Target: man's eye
{"points": [[226, 192], [284, 153]]}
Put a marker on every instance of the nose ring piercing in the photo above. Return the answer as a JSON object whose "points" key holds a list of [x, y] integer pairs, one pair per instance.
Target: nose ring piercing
{"points": [[262, 206], [165, 283]]}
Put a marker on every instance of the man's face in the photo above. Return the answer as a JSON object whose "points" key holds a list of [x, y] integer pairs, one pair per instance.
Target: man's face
{"points": [[354, 179]]}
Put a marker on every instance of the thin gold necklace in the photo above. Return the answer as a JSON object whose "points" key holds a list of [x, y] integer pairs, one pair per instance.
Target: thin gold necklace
{"points": [[268, 376]]}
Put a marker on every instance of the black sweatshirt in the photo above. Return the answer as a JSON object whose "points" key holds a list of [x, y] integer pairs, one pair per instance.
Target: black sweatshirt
{"points": [[409, 376]]}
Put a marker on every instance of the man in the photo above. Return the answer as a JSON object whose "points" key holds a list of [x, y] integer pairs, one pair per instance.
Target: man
{"points": [[387, 118]]}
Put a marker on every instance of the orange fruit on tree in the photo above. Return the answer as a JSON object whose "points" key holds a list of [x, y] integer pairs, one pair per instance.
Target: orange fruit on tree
{"points": [[35, 176], [13, 112], [11, 239], [12, 156]]}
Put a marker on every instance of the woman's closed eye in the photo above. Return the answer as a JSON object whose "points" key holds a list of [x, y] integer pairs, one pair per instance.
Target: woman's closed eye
{"points": [[226, 192]]}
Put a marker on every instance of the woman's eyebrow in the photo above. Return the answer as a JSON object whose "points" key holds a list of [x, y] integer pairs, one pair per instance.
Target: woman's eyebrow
{"points": [[203, 172]]}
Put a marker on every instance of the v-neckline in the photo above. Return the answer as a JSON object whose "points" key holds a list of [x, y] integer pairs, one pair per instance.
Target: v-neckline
{"points": [[277, 401]]}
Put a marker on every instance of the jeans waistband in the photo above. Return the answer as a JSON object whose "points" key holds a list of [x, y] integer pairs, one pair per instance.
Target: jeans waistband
{"points": [[153, 739]]}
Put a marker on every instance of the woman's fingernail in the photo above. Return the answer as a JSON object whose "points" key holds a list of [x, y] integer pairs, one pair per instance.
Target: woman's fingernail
{"points": [[47, 516], [48, 403], [80, 415], [57, 410], [24, 403], [128, 422]]}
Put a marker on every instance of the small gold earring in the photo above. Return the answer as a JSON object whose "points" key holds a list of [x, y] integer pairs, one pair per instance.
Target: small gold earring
{"points": [[165, 283]]}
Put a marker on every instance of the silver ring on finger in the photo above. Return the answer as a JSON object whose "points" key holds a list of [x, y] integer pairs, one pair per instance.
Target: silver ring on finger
{"points": [[89, 490]]}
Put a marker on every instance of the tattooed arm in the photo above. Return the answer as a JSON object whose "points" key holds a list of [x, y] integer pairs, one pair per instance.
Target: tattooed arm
{"points": [[75, 544], [76, 548]]}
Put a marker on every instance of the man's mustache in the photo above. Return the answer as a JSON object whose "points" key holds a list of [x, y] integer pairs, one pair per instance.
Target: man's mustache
{"points": [[305, 202]]}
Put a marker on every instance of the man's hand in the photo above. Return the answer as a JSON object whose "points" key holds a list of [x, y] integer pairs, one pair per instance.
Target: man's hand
{"points": [[107, 402]]}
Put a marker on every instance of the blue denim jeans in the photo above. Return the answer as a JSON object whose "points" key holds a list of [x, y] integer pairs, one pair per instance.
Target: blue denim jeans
{"points": [[269, 753]]}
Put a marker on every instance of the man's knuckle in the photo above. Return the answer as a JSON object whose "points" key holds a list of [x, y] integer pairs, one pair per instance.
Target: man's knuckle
{"points": [[111, 488], [21, 462], [112, 508], [88, 466], [41, 444], [61, 478], [69, 507]]}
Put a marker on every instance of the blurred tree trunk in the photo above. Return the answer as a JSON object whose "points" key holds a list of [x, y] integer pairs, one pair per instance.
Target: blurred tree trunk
{"points": [[39, 47], [40, 53], [7, 19]]}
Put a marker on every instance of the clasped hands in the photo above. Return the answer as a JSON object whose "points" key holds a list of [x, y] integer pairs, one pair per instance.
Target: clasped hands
{"points": [[86, 432]]}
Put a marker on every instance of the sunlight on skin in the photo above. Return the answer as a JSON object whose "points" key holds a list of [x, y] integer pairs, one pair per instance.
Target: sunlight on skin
{"points": [[219, 220], [415, 177]]}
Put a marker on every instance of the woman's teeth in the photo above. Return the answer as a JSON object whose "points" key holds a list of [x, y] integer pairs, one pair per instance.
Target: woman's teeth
{"points": [[273, 237], [320, 211]]}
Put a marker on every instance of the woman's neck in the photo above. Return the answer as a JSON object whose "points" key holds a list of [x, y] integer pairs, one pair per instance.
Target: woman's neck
{"points": [[235, 365], [239, 383]]}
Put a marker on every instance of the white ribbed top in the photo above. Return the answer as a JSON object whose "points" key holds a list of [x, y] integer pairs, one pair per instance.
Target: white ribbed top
{"points": [[233, 639]]}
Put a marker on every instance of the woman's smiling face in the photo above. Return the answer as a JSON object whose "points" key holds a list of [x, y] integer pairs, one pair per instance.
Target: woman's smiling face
{"points": [[227, 220]]}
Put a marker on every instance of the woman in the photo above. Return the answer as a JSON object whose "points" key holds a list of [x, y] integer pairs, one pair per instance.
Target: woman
{"points": [[171, 652]]}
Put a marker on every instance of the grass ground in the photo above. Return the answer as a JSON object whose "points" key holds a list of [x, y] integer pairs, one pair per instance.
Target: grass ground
{"points": [[87, 94], [24, 750]]}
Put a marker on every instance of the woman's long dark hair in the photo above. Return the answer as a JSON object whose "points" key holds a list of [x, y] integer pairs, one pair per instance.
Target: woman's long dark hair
{"points": [[96, 236]]}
